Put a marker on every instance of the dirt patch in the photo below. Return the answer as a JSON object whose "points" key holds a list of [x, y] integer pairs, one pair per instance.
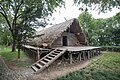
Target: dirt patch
{"points": [[7, 74], [59, 70], [13, 65]]}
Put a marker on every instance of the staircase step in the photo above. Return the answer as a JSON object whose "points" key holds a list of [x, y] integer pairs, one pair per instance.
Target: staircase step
{"points": [[57, 51], [43, 62], [34, 68], [54, 53], [47, 59], [39, 65]]}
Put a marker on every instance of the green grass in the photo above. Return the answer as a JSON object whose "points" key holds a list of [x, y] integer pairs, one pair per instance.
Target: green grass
{"points": [[10, 56], [109, 60], [110, 46], [106, 67]]}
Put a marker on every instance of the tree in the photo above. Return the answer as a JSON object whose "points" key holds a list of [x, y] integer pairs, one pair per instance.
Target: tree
{"points": [[87, 23], [20, 14], [5, 37], [101, 32], [101, 5]]}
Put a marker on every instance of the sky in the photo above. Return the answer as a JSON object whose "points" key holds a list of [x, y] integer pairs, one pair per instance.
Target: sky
{"points": [[72, 11]]}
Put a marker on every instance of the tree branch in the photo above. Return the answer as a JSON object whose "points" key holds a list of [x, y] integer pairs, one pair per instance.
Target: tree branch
{"points": [[16, 12], [6, 18]]}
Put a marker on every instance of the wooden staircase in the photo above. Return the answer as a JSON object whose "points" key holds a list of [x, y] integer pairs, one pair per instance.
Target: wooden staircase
{"points": [[47, 60]]}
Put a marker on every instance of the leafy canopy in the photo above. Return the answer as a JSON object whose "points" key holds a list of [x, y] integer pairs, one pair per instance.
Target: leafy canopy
{"points": [[22, 16], [101, 32], [101, 5]]}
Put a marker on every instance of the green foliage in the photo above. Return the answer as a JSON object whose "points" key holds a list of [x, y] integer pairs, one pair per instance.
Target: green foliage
{"points": [[91, 74], [105, 68], [22, 16], [101, 5], [101, 32], [5, 37]]}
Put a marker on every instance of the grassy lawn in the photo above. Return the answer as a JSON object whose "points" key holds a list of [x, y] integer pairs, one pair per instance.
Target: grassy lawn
{"points": [[106, 67], [9, 56]]}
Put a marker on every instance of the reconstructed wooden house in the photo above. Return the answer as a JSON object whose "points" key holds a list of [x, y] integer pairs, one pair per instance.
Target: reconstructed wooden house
{"points": [[68, 33], [64, 38]]}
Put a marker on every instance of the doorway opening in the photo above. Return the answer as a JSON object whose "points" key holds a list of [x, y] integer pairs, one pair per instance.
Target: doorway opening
{"points": [[65, 41]]}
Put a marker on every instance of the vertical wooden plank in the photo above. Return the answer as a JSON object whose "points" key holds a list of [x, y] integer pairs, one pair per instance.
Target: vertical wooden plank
{"points": [[71, 58]]}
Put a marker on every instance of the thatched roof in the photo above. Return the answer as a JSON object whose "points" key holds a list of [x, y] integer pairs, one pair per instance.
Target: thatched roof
{"points": [[49, 35]]}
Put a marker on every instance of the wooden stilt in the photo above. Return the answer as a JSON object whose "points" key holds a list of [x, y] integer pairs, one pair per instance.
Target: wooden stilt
{"points": [[88, 52], [71, 58], [91, 51], [38, 54], [63, 57], [80, 56], [99, 51], [84, 55]]}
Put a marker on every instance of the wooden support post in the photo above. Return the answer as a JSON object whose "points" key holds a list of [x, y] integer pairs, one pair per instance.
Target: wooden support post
{"points": [[93, 53], [71, 58], [84, 55], [80, 56], [38, 54], [63, 57], [88, 52], [99, 51]]}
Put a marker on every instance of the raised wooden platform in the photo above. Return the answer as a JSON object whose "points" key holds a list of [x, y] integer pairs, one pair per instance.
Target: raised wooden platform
{"points": [[73, 49], [80, 52]]}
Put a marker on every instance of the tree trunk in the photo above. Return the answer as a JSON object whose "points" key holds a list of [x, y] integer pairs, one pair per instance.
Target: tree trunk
{"points": [[18, 51], [13, 45]]}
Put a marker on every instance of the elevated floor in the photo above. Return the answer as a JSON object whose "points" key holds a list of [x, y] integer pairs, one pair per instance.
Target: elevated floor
{"points": [[74, 48]]}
